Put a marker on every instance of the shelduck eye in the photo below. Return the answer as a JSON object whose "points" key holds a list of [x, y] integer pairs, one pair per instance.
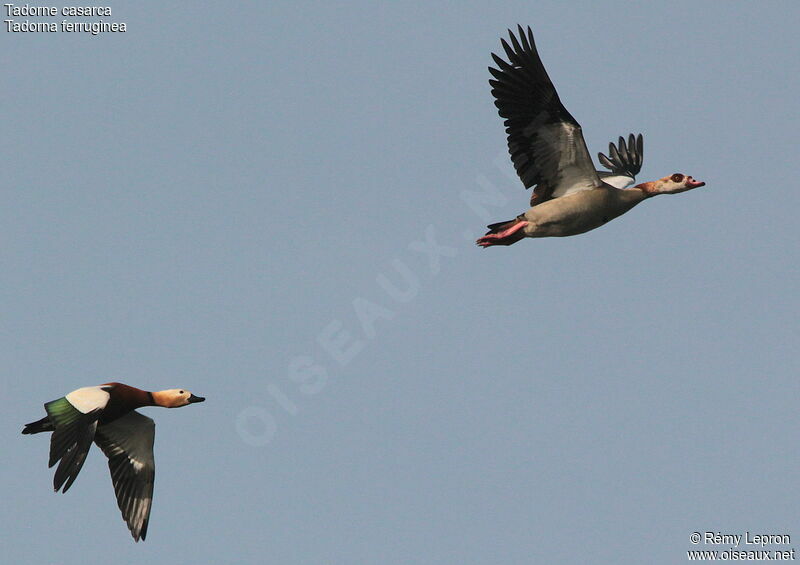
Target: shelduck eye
{"points": [[181, 392], [677, 177]]}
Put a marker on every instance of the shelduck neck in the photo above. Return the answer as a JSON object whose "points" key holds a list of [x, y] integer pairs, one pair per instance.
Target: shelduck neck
{"points": [[130, 396]]}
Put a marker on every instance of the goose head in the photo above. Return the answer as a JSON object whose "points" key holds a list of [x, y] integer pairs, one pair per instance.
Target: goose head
{"points": [[175, 398], [672, 184]]}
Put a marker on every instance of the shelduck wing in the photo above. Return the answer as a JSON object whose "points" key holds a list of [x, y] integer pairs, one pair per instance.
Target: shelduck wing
{"points": [[544, 140], [71, 439], [128, 444]]}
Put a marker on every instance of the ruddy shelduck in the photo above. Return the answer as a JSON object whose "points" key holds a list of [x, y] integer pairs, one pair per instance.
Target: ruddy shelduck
{"points": [[106, 414]]}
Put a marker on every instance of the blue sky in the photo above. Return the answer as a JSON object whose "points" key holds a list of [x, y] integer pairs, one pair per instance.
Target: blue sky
{"points": [[265, 204]]}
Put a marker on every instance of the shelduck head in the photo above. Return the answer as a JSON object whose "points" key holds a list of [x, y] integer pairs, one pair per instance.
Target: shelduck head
{"points": [[672, 184], [175, 398]]}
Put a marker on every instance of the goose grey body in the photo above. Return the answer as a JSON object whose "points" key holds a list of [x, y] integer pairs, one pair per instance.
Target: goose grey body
{"points": [[549, 153], [579, 212]]}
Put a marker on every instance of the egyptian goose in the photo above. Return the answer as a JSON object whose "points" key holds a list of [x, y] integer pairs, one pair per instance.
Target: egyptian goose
{"points": [[107, 415], [548, 151]]}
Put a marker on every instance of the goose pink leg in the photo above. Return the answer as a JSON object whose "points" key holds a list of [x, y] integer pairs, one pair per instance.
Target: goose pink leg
{"points": [[505, 237]]}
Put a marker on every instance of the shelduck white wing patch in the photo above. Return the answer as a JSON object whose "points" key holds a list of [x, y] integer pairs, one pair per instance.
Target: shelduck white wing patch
{"points": [[89, 398], [128, 444]]}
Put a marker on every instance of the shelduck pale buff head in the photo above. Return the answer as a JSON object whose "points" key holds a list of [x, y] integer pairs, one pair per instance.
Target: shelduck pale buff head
{"points": [[672, 184], [175, 398]]}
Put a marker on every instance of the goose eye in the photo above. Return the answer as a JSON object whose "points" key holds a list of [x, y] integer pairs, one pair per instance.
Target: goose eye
{"points": [[677, 177]]}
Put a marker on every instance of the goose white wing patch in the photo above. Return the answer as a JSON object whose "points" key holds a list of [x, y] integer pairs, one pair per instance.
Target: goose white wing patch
{"points": [[128, 444], [574, 169], [617, 181]]}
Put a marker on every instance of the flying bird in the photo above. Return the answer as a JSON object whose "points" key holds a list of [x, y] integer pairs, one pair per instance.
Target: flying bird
{"points": [[106, 414], [548, 151]]}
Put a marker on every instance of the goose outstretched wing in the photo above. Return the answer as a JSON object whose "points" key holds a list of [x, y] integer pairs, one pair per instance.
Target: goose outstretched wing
{"points": [[544, 140]]}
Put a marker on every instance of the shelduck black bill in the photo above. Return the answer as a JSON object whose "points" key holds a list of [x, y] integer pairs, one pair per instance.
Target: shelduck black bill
{"points": [[193, 399]]}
